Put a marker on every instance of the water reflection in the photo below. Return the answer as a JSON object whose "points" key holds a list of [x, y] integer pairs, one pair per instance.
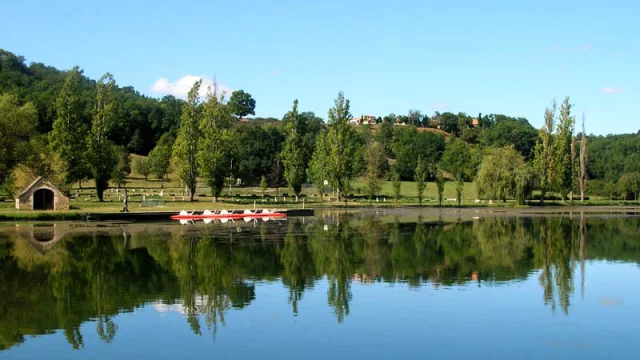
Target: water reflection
{"points": [[59, 277]]}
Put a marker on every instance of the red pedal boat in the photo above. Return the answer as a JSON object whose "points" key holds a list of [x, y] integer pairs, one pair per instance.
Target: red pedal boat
{"points": [[224, 214]]}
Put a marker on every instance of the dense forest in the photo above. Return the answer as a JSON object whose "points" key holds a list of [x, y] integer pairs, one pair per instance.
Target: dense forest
{"points": [[72, 128]]}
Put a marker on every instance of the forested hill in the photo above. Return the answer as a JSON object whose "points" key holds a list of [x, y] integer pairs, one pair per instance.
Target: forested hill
{"points": [[141, 120]]}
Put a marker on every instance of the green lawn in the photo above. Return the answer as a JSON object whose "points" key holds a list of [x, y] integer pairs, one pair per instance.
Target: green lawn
{"points": [[84, 199]]}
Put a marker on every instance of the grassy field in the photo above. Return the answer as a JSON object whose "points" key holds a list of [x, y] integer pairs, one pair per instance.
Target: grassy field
{"points": [[173, 198]]}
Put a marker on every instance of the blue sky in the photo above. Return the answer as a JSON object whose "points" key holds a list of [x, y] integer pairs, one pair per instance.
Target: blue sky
{"points": [[510, 57]]}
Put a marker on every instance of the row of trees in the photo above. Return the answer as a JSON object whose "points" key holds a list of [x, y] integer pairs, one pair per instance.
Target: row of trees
{"points": [[94, 128]]}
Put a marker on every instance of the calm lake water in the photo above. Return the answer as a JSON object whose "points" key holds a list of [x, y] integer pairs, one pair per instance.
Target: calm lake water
{"points": [[339, 286]]}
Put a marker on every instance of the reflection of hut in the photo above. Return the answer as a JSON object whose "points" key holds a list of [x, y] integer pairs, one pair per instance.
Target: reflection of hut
{"points": [[42, 236], [42, 195]]}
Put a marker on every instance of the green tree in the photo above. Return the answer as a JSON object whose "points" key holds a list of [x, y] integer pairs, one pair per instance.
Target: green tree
{"points": [[409, 144], [374, 157], [457, 160], [341, 139], [459, 188], [69, 132], [242, 104], [504, 131], [263, 185], [319, 165], [293, 153], [421, 179], [562, 150], [102, 156], [396, 184], [213, 155], [498, 177], [143, 167], [257, 150], [545, 162], [160, 159], [440, 186], [185, 148], [385, 137], [17, 125], [629, 184], [123, 165]]}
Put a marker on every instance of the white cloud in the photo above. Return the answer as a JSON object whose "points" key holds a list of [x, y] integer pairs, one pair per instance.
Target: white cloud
{"points": [[610, 90], [180, 88]]}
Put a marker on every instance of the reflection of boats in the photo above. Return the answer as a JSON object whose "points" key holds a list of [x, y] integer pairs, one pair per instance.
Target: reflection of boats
{"points": [[224, 215]]}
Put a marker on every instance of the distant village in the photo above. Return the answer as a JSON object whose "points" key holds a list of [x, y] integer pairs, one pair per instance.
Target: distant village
{"points": [[434, 122]]}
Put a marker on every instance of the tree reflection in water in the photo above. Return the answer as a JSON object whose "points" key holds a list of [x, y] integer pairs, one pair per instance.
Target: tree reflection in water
{"points": [[209, 270]]}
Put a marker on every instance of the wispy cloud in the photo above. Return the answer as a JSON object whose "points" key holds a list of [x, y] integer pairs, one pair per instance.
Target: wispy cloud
{"points": [[610, 90], [180, 88], [570, 49]]}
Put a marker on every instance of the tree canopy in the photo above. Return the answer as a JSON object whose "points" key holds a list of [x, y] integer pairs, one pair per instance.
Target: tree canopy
{"points": [[242, 104]]}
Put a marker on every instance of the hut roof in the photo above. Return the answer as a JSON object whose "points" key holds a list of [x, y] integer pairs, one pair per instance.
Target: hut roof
{"points": [[36, 183]]}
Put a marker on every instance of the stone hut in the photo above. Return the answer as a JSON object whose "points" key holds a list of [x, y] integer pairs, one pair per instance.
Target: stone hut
{"points": [[42, 195]]}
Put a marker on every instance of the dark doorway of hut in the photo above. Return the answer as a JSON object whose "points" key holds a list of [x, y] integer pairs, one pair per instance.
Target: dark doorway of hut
{"points": [[43, 199]]}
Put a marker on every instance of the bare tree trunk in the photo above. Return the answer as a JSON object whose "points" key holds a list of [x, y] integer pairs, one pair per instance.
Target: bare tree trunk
{"points": [[583, 162]]}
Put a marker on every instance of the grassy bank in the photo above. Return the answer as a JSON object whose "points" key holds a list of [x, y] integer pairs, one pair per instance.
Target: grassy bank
{"points": [[150, 195]]}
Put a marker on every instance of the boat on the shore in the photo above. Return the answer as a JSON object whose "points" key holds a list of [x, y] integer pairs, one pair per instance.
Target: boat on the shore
{"points": [[224, 214]]}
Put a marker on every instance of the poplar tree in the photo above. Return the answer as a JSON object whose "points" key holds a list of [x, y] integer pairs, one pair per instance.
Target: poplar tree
{"points": [[215, 144], [374, 158], [185, 148], [563, 152], [319, 165], [396, 184], [544, 160], [68, 137], [293, 156], [342, 146], [421, 178], [102, 157], [440, 186]]}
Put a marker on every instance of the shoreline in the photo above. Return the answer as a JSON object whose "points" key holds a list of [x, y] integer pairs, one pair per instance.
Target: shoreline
{"points": [[427, 211]]}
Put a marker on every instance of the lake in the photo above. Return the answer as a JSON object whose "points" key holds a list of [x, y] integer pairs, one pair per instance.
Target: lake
{"points": [[353, 286]]}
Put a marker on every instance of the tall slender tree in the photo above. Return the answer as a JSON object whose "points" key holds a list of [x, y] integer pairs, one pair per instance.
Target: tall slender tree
{"points": [[214, 148], [374, 157], [185, 148], [293, 152], [544, 161], [440, 185], [396, 184], [583, 162], [160, 158], [563, 150], [69, 129], [421, 178], [102, 156], [319, 165], [342, 146]]}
